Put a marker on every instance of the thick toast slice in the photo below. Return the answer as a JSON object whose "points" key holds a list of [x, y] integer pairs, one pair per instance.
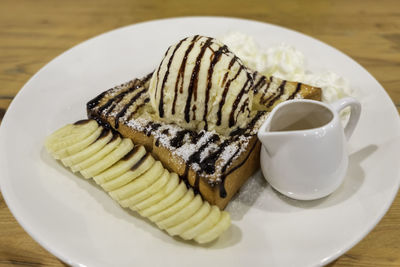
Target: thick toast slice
{"points": [[216, 166]]}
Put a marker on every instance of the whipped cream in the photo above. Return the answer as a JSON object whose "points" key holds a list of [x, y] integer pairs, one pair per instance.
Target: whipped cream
{"points": [[286, 62]]}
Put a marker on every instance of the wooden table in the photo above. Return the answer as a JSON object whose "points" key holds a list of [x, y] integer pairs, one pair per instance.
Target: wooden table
{"points": [[34, 32]]}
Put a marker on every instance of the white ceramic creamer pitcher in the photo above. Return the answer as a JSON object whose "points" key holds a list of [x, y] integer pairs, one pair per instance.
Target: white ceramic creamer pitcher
{"points": [[303, 153]]}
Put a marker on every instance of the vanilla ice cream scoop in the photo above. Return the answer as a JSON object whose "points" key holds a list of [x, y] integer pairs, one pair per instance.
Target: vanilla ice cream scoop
{"points": [[200, 84]]}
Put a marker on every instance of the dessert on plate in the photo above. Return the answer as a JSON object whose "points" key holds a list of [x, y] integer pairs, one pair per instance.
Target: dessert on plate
{"points": [[177, 144], [198, 113]]}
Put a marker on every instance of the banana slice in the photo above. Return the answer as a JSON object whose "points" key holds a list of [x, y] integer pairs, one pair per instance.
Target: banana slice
{"points": [[114, 142], [206, 224], [139, 183], [216, 230], [56, 136], [122, 166], [138, 169], [102, 140], [154, 188], [182, 214], [180, 204], [78, 146], [124, 147], [177, 194], [165, 191], [136, 180], [194, 220], [77, 133]]}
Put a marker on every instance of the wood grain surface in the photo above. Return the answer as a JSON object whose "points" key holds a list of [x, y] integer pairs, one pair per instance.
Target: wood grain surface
{"points": [[34, 32]]}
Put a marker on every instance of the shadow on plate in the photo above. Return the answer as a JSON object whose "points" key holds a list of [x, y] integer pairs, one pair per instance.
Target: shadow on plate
{"points": [[258, 194], [352, 183]]}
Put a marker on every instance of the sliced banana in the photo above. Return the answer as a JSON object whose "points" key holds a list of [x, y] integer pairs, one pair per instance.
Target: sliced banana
{"points": [[193, 220], [130, 175], [215, 231], [89, 151], [146, 193], [155, 198], [118, 153], [75, 134], [177, 206], [136, 180], [206, 224], [57, 135], [78, 146], [182, 215], [139, 183], [177, 194], [122, 166], [114, 142]]}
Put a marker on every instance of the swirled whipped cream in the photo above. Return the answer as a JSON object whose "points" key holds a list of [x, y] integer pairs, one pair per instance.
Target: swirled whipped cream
{"points": [[286, 62]]}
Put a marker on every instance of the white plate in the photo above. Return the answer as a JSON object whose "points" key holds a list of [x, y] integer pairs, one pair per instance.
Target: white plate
{"points": [[80, 224]]}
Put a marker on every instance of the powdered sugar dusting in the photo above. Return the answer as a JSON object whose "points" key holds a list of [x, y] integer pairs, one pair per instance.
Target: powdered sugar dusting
{"points": [[165, 132], [138, 124]]}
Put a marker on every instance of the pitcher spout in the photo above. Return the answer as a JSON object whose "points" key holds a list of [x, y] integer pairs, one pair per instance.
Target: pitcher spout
{"points": [[270, 141]]}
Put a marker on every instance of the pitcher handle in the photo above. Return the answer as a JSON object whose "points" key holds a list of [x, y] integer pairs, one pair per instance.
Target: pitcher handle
{"points": [[355, 113]]}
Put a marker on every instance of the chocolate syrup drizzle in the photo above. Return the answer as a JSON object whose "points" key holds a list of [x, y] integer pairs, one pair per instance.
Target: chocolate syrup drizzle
{"points": [[159, 68], [113, 101], [261, 82], [278, 95], [165, 131], [104, 124], [224, 93], [298, 88], [95, 101], [161, 103], [181, 72], [262, 100], [214, 61], [192, 89], [195, 158], [208, 164], [150, 127], [125, 108], [81, 122], [226, 73], [117, 98], [232, 120], [222, 190], [177, 141], [242, 109], [138, 107], [250, 126], [194, 112]]}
